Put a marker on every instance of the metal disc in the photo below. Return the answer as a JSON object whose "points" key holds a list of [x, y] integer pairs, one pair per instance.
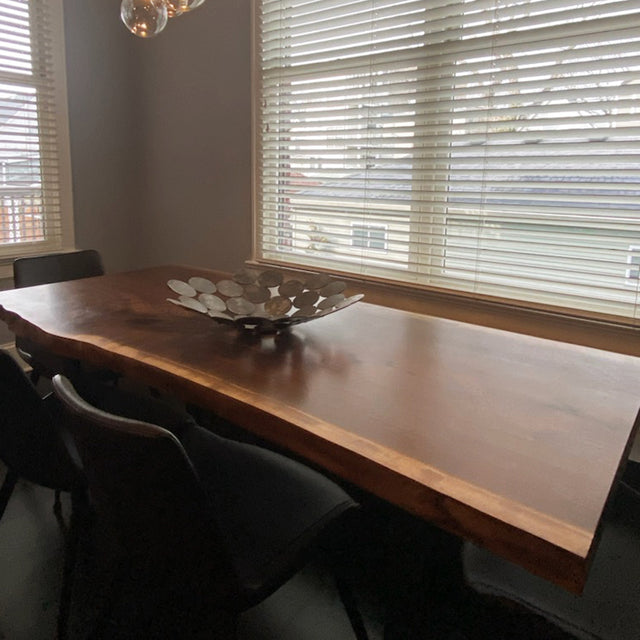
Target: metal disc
{"points": [[192, 303], [240, 306], [212, 302], [270, 279], [291, 288], [260, 311], [331, 301], [341, 305], [181, 288], [305, 312], [277, 306], [230, 288], [202, 285], [325, 312], [256, 294], [349, 301], [284, 322], [221, 317], [337, 286], [306, 299], [317, 281], [245, 276]]}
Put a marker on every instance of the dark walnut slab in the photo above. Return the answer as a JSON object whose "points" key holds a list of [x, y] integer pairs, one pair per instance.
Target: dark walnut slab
{"points": [[512, 441]]}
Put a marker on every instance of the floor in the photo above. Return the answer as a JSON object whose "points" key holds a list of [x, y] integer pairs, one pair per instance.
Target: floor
{"points": [[31, 555], [307, 608]]}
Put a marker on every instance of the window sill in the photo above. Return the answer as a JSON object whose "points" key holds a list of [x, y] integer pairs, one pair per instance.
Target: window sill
{"points": [[542, 323], [6, 270]]}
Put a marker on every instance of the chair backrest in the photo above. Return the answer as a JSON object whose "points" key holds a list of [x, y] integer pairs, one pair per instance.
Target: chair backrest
{"points": [[54, 267], [57, 267], [139, 477], [31, 443]]}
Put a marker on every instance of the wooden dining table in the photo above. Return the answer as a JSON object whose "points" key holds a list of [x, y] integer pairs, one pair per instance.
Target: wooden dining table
{"points": [[511, 441]]}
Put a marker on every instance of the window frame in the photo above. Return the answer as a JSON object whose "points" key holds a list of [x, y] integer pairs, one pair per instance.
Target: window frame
{"points": [[65, 240]]}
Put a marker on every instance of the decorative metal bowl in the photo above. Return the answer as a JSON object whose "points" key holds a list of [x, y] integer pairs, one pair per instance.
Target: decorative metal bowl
{"points": [[263, 301]]}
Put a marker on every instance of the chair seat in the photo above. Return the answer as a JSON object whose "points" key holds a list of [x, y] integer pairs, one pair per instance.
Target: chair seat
{"points": [[290, 505], [609, 607]]}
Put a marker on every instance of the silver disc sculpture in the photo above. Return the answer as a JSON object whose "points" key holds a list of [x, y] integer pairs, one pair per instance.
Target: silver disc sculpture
{"points": [[263, 301]]}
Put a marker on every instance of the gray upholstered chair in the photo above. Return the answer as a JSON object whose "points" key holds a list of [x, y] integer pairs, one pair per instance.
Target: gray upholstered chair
{"points": [[201, 523], [609, 607], [32, 448], [46, 269]]}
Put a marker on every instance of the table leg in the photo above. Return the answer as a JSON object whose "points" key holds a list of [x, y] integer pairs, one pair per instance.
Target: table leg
{"points": [[426, 593]]}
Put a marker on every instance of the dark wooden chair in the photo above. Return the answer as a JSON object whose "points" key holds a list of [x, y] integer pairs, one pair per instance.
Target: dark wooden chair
{"points": [[55, 267], [609, 607], [32, 447], [202, 524]]}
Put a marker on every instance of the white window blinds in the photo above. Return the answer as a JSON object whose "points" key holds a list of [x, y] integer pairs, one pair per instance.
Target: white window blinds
{"points": [[33, 135], [483, 146]]}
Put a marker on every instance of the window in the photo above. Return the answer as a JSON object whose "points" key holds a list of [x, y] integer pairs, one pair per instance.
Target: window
{"points": [[34, 172], [369, 236], [496, 142]]}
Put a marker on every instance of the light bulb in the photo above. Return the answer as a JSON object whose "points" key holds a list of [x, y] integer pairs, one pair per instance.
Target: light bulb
{"points": [[144, 18], [190, 5], [174, 7]]}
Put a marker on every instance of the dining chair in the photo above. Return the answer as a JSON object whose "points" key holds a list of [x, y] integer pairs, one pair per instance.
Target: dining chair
{"points": [[608, 608], [202, 523], [46, 269], [32, 448]]}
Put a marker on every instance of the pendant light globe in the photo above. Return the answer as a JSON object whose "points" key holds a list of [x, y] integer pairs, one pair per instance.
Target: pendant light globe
{"points": [[144, 18]]}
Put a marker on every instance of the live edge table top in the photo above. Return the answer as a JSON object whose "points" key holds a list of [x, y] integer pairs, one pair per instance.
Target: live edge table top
{"points": [[511, 441]]}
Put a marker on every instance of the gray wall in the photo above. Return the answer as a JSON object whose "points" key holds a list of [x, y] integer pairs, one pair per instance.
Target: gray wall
{"points": [[160, 135], [104, 116], [196, 110]]}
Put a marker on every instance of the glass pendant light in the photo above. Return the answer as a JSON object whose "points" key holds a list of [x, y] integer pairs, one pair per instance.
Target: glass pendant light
{"points": [[174, 7], [178, 7], [190, 5], [144, 18]]}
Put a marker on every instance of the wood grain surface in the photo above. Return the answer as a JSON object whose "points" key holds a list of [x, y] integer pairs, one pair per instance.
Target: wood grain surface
{"points": [[511, 441]]}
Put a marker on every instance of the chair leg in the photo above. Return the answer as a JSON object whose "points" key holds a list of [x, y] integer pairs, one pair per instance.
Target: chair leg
{"points": [[105, 619], [78, 513], [34, 376], [6, 490], [57, 504], [349, 603]]}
